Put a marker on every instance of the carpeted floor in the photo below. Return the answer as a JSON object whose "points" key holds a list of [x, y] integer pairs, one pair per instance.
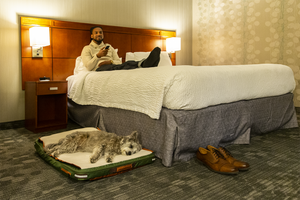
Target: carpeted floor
{"points": [[274, 173]]}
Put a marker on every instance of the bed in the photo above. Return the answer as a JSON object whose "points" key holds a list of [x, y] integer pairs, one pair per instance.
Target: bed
{"points": [[177, 109], [188, 106]]}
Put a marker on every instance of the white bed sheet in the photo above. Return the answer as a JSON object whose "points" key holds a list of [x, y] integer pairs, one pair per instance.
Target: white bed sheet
{"points": [[147, 90]]}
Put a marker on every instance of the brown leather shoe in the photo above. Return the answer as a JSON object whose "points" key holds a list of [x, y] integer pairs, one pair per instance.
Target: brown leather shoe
{"points": [[243, 166], [214, 161]]}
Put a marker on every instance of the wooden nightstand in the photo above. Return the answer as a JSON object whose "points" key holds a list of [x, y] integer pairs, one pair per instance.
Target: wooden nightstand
{"points": [[46, 105]]}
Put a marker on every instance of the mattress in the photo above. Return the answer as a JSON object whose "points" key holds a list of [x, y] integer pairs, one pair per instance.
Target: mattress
{"points": [[77, 165], [148, 90]]}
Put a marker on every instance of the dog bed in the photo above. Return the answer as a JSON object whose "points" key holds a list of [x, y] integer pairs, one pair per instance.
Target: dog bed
{"points": [[77, 165]]}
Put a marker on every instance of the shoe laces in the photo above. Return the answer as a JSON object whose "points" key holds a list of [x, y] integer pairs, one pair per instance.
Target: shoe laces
{"points": [[226, 152], [217, 153]]}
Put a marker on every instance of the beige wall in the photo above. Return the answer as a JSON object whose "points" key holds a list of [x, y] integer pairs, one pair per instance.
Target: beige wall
{"points": [[252, 31], [150, 14]]}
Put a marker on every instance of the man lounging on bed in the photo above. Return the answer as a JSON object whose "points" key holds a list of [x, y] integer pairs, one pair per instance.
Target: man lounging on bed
{"points": [[98, 56]]}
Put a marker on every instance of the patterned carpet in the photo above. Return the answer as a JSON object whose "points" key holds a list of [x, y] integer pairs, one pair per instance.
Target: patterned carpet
{"points": [[274, 173]]}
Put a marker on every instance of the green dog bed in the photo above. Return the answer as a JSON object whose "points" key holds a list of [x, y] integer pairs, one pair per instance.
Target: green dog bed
{"points": [[77, 165]]}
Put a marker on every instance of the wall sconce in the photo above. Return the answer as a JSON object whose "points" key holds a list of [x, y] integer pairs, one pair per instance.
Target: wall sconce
{"points": [[173, 44], [39, 37]]}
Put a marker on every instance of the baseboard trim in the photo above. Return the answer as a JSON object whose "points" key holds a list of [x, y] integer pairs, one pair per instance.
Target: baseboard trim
{"points": [[12, 125]]}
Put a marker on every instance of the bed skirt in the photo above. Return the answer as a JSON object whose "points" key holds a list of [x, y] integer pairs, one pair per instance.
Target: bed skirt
{"points": [[177, 134]]}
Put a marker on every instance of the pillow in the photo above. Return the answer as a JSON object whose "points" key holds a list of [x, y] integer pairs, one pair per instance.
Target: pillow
{"points": [[129, 56], [79, 67], [137, 56]]}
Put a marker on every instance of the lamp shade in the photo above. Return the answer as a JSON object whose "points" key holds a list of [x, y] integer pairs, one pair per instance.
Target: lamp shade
{"points": [[173, 44], [39, 36]]}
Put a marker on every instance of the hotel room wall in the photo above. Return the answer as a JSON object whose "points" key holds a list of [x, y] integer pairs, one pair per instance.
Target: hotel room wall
{"points": [[149, 14], [246, 32]]}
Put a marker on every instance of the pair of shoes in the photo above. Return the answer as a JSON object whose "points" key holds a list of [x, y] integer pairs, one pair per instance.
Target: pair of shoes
{"points": [[152, 60], [215, 161]]}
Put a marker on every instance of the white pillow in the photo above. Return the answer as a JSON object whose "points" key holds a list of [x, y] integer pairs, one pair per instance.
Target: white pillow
{"points": [[129, 56], [137, 56], [165, 59], [79, 67]]}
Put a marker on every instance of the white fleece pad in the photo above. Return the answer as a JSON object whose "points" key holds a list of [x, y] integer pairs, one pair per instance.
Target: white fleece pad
{"points": [[82, 159]]}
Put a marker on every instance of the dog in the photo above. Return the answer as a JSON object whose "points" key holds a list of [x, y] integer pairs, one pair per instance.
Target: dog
{"points": [[100, 143]]}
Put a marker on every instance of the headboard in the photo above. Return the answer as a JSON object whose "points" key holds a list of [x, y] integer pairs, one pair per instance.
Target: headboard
{"points": [[67, 40]]}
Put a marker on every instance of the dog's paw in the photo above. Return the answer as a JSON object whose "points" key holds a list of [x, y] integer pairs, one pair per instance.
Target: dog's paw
{"points": [[48, 152], [93, 160], [108, 160], [55, 154]]}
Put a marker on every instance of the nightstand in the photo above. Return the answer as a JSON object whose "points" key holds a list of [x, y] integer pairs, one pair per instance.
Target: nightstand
{"points": [[46, 105]]}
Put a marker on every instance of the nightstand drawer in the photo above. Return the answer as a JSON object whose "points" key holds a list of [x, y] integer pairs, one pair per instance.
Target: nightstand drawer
{"points": [[45, 88]]}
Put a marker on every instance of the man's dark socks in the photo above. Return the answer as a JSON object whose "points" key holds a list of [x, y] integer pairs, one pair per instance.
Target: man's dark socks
{"points": [[153, 59]]}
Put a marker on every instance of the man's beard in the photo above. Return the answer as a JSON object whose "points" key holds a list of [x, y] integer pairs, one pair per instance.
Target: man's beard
{"points": [[98, 41]]}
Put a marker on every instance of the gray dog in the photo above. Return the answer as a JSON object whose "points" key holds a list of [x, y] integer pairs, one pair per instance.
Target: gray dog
{"points": [[100, 143]]}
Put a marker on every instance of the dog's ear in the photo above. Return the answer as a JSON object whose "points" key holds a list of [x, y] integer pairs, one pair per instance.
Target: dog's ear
{"points": [[124, 139], [134, 136]]}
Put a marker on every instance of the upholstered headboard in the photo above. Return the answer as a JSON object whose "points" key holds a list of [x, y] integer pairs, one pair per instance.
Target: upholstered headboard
{"points": [[67, 40]]}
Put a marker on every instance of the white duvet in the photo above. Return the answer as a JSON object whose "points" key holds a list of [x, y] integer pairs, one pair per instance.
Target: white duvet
{"points": [[147, 90]]}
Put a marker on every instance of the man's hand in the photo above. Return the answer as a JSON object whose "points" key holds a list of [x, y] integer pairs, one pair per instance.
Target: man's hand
{"points": [[102, 52], [106, 62]]}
